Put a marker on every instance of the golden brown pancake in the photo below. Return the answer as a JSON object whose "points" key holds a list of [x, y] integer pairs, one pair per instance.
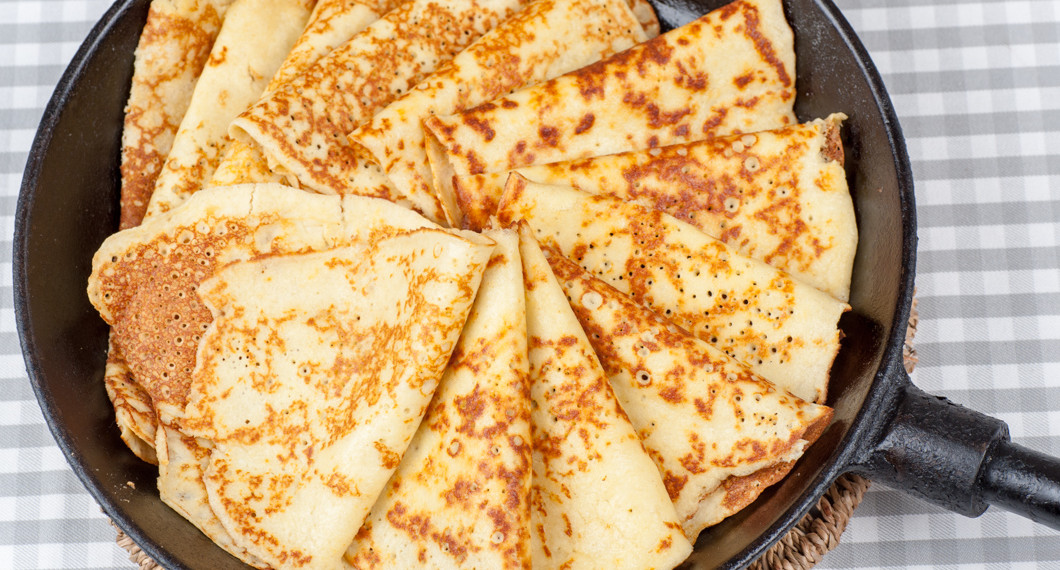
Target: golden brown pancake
{"points": [[733, 70], [460, 498], [332, 23], [182, 462], [242, 61], [707, 420], [144, 278], [133, 411], [597, 500], [313, 377], [302, 127], [778, 196], [173, 49], [144, 285], [545, 39], [785, 330]]}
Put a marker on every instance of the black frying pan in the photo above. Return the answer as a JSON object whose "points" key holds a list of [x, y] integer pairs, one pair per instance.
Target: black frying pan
{"points": [[884, 427]]}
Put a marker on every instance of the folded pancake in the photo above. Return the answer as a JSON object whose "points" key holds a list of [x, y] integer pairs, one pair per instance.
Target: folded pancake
{"points": [[144, 281], [332, 23], [597, 499], [785, 330], [730, 71], [718, 432], [133, 411], [460, 497], [313, 377], [302, 127], [241, 62], [778, 196], [173, 49], [182, 461], [545, 39]]}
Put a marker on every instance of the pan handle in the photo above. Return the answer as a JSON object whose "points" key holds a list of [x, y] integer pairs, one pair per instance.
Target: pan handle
{"points": [[962, 460]]}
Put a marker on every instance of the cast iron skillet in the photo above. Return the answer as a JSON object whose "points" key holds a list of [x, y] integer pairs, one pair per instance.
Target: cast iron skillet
{"points": [[884, 427]]}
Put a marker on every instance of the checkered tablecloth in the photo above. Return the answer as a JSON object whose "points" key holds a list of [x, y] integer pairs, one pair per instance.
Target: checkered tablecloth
{"points": [[977, 88]]}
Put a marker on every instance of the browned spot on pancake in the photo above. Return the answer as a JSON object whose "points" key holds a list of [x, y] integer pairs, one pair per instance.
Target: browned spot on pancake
{"points": [[727, 11], [470, 407], [672, 394], [833, 148], [496, 260], [390, 458], [585, 123], [762, 44], [590, 84], [549, 135], [461, 492], [705, 408], [419, 527], [218, 57], [743, 80], [674, 483], [693, 461], [657, 118], [691, 80], [481, 126], [742, 491], [715, 120], [475, 166]]}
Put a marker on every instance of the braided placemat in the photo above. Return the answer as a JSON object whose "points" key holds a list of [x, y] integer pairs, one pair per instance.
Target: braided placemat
{"points": [[802, 548]]}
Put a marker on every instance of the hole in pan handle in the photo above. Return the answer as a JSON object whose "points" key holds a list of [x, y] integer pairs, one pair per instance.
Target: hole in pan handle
{"points": [[961, 459]]}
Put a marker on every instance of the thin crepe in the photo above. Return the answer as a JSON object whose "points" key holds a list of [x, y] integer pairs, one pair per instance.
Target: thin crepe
{"points": [[144, 284], [173, 48], [730, 71], [719, 433], [133, 411], [242, 61], [597, 499], [460, 498], [785, 330], [544, 40], [778, 196], [302, 127], [144, 279], [332, 23], [182, 461], [313, 378]]}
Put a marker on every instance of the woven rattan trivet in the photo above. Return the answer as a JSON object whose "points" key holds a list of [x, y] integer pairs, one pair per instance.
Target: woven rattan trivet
{"points": [[803, 547]]}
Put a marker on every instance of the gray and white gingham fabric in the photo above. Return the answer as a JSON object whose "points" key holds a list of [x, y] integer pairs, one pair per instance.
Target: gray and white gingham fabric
{"points": [[977, 88]]}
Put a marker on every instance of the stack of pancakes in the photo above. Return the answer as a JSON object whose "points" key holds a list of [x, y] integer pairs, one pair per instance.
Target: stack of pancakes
{"points": [[470, 283]]}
